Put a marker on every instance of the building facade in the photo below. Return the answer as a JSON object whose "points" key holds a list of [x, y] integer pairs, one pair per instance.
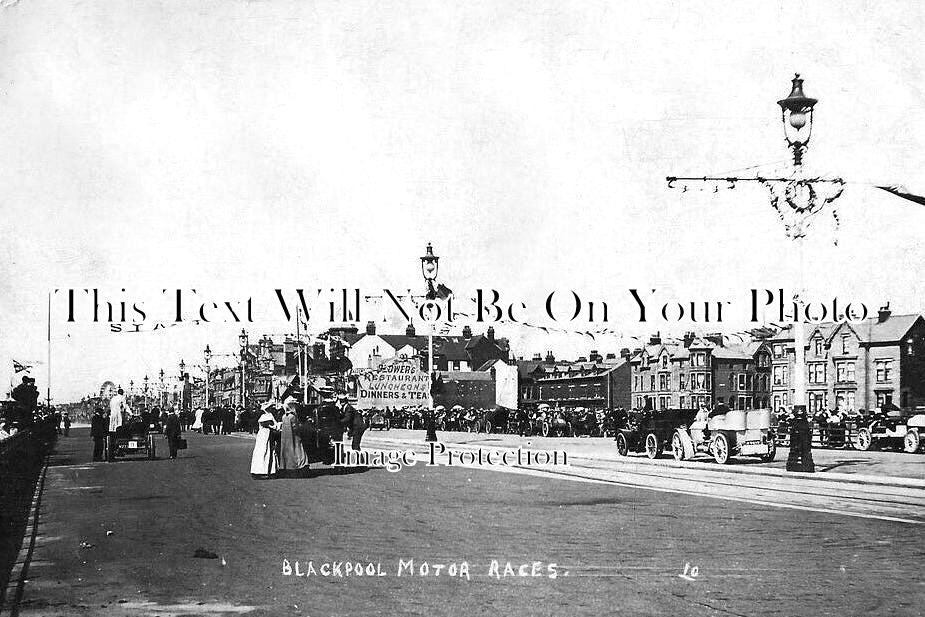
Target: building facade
{"points": [[854, 366], [701, 371]]}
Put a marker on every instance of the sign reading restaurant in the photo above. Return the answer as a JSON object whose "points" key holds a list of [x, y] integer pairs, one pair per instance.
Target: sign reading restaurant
{"points": [[398, 383]]}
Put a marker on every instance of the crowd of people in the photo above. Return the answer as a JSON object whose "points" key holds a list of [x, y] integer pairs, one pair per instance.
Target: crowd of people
{"points": [[290, 437]]}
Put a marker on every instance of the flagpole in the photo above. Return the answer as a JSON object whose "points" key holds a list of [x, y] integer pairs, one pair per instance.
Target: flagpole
{"points": [[48, 389]]}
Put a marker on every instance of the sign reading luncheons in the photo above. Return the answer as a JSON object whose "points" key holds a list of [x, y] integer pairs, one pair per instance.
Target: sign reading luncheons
{"points": [[399, 383]]}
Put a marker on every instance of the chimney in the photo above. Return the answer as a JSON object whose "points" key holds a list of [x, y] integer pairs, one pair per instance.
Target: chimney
{"points": [[409, 331], [612, 356], [537, 357], [467, 332], [688, 339], [594, 356], [625, 353], [490, 333], [370, 327], [655, 339], [550, 359], [581, 359], [884, 313], [716, 338]]}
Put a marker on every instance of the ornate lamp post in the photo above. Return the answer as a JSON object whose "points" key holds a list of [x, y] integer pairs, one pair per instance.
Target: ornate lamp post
{"points": [[797, 116], [162, 393], [429, 266], [145, 392], [208, 356], [182, 384], [242, 340], [796, 199]]}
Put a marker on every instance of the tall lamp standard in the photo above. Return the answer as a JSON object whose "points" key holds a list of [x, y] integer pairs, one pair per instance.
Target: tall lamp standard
{"points": [[145, 392], [242, 339], [797, 118], [131, 390], [162, 393], [797, 199], [429, 266], [208, 356], [182, 385]]}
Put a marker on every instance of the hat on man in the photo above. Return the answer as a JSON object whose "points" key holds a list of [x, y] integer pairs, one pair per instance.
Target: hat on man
{"points": [[342, 397]]}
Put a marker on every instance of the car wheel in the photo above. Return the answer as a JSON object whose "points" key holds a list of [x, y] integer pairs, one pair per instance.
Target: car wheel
{"points": [[545, 429], [488, 427], [720, 449], [622, 445], [863, 440], [653, 445], [911, 441], [677, 447]]}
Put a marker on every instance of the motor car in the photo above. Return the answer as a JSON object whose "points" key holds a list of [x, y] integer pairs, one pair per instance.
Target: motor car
{"points": [[738, 432], [649, 431], [131, 439], [891, 430], [379, 420]]}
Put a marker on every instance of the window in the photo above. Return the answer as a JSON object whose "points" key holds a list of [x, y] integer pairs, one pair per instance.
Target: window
{"points": [[743, 385], [665, 361], [884, 370], [698, 359], [883, 398], [817, 346], [780, 375], [817, 401], [744, 402], [764, 360], [816, 372], [664, 402], [910, 347], [652, 382], [845, 400], [682, 381], [844, 343], [844, 371], [663, 381], [778, 350]]}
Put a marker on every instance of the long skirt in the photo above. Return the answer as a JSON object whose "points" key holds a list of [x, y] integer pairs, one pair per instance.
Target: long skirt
{"points": [[263, 461]]}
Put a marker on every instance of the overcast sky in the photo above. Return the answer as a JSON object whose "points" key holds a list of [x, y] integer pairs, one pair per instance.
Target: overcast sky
{"points": [[236, 147]]}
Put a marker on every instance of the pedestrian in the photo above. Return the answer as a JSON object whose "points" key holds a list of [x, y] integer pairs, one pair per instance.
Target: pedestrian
{"points": [[263, 461], [197, 423], [292, 459], [352, 420], [801, 442], [118, 410], [98, 433], [173, 431], [67, 424]]}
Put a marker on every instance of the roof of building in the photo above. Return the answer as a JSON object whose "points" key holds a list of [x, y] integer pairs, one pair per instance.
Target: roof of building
{"points": [[871, 330], [465, 376]]}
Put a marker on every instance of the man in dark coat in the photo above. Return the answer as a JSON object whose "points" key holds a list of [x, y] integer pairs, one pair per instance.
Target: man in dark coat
{"points": [[26, 396], [801, 442], [173, 430], [352, 420], [98, 431]]}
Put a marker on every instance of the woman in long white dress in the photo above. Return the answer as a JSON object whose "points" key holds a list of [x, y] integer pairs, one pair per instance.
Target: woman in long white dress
{"points": [[263, 461], [197, 424]]}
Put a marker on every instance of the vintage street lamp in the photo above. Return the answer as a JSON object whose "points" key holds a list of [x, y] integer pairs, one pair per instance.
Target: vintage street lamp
{"points": [[182, 383], [161, 394], [145, 392], [208, 356], [242, 339], [429, 266], [797, 117]]}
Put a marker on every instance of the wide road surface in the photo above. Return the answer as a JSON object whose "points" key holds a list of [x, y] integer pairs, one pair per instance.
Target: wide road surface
{"points": [[120, 538]]}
